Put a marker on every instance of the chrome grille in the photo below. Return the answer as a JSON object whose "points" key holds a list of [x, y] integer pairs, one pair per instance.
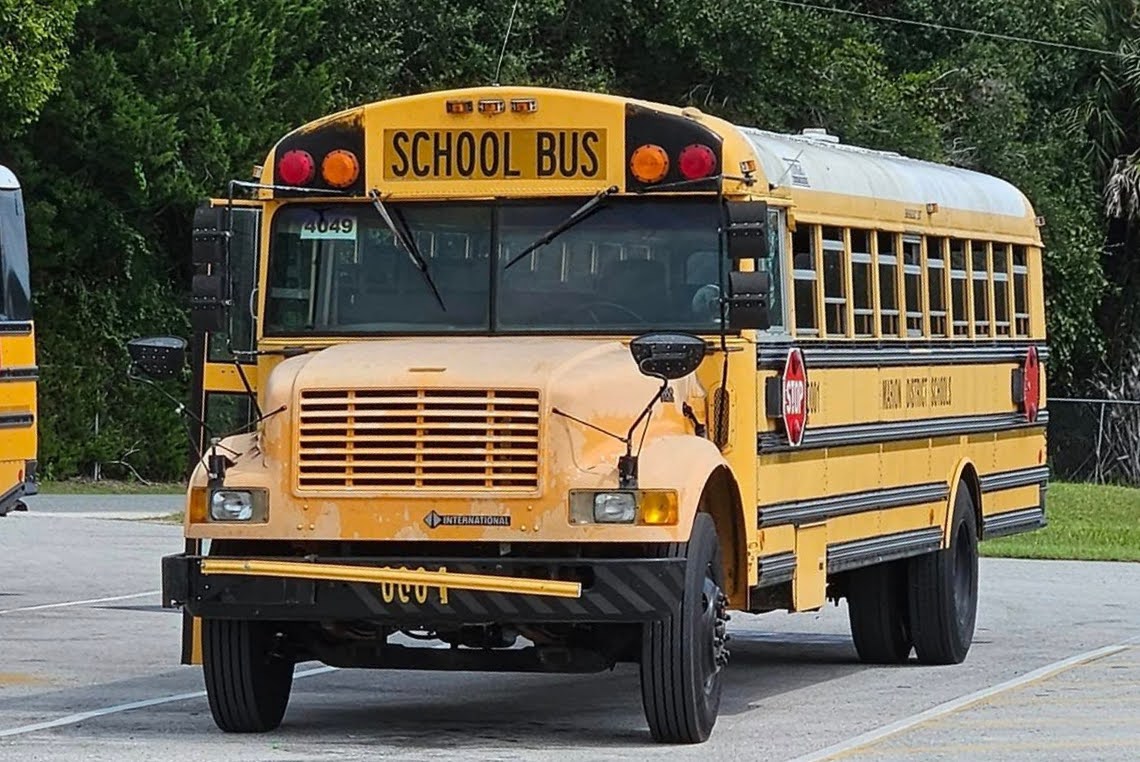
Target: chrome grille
{"points": [[401, 439]]}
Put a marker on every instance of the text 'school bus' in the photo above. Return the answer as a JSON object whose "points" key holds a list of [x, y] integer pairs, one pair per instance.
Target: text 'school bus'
{"points": [[17, 353], [560, 379]]}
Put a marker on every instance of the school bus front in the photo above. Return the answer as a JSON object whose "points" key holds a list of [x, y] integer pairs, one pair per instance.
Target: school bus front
{"points": [[527, 372]]}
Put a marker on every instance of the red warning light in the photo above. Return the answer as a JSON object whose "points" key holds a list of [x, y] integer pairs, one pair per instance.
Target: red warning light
{"points": [[696, 161], [296, 167]]}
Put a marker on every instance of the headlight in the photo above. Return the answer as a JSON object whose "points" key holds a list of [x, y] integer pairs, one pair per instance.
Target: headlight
{"points": [[615, 507], [648, 507], [233, 505]]}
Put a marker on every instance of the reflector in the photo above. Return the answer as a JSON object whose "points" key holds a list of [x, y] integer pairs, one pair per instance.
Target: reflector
{"points": [[296, 167], [649, 163]]}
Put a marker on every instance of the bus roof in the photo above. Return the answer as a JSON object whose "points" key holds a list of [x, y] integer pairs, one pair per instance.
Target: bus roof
{"points": [[813, 168], [8, 180], [816, 161]]}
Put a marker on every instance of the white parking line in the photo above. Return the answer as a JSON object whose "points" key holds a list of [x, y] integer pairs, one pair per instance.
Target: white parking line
{"points": [[962, 702], [73, 719], [66, 604]]}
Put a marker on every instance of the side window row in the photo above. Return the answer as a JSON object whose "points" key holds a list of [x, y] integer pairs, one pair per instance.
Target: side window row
{"points": [[866, 283]]}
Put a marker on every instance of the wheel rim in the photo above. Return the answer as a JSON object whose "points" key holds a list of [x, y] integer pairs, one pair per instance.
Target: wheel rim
{"points": [[714, 625], [965, 572]]}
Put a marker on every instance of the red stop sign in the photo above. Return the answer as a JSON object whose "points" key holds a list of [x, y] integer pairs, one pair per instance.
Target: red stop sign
{"points": [[1031, 385], [795, 397]]}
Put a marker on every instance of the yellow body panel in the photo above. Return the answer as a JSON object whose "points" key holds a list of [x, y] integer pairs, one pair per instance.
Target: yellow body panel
{"points": [[860, 438], [18, 408]]}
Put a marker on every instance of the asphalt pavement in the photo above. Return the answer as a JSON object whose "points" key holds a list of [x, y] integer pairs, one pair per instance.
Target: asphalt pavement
{"points": [[89, 670]]}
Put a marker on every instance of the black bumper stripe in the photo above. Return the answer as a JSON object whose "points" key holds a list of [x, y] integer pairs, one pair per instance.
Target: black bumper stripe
{"points": [[1013, 522], [876, 432], [26, 373], [1021, 477], [805, 511], [850, 555], [16, 420], [15, 327], [776, 568], [622, 590], [850, 354]]}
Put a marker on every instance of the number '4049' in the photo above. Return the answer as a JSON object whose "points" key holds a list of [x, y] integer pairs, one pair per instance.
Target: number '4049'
{"points": [[334, 225]]}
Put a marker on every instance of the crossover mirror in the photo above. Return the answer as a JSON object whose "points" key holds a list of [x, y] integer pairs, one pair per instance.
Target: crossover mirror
{"points": [[158, 357], [667, 355]]}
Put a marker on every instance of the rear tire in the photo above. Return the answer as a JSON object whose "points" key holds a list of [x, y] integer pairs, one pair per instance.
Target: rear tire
{"points": [[683, 657], [247, 684], [877, 608], [944, 590]]}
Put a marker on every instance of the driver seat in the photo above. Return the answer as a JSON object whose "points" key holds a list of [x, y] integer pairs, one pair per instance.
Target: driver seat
{"points": [[638, 284]]}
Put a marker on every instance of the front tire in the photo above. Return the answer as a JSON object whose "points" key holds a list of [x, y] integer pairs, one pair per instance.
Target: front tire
{"points": [[247, 683], [683, 657], [944, 590], [877, 607]]}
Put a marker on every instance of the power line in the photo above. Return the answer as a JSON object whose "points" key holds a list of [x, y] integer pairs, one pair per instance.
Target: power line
{"points": [[506, 38], [945, 28]]}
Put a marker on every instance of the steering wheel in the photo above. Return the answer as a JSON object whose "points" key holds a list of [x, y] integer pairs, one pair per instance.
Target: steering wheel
{"points": [[588, 307]]}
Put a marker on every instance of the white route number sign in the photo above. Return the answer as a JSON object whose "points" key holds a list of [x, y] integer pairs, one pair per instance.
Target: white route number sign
{"points": [[325, 227]]}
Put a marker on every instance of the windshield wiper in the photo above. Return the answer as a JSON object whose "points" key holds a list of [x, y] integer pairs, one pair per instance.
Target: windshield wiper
{"points": [[579, 214], [403, 237]]}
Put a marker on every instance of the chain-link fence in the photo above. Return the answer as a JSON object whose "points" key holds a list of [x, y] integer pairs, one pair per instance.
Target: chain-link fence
{"points": [[1095, 440]]}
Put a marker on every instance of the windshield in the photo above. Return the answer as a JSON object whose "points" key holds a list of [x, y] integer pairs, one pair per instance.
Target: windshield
{"points": [[16, 303], [632, 265]]}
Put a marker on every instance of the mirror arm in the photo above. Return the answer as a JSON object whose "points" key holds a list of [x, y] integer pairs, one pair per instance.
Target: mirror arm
{"points": [[180, 406], [627, 464]]}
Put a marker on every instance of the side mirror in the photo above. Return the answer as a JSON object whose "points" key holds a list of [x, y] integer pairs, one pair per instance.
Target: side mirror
{"points": [[749, 296], [747, 230], [208, 303], [208, 246], [667, 355], [159, 357]]}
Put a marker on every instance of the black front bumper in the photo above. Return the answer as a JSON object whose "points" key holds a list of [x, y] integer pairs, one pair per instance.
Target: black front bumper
{"points": [[613, 590]]}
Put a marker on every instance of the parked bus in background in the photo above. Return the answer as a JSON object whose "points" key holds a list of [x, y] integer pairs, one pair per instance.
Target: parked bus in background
{"points": [[561, 378], [17, 353]]}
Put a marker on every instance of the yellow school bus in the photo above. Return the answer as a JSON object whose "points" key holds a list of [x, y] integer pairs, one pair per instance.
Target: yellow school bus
{"points": [[18, 444], [560, 379]]}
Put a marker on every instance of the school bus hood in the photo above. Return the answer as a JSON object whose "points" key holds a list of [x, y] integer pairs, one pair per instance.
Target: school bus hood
{"points": [[594, 379]]}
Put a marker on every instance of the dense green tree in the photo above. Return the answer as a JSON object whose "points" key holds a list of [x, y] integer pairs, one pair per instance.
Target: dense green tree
{"points": [[35, 35], [160, 103]]}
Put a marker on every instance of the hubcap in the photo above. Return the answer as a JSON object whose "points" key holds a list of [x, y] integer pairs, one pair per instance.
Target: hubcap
{"points": [[714, 626]]}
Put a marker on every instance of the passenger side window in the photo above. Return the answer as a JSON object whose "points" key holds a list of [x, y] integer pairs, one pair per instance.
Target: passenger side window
{"points": [[773, 265], [912, 283], [1001, 288], [835, 281], [805, 279], [1020, 271], [862, 283], [888, 284], [980, 276], [936, 277], [959, 292]]}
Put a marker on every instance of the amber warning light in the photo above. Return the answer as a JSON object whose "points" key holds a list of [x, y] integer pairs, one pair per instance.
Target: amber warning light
{"points": [[649, 163]]}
